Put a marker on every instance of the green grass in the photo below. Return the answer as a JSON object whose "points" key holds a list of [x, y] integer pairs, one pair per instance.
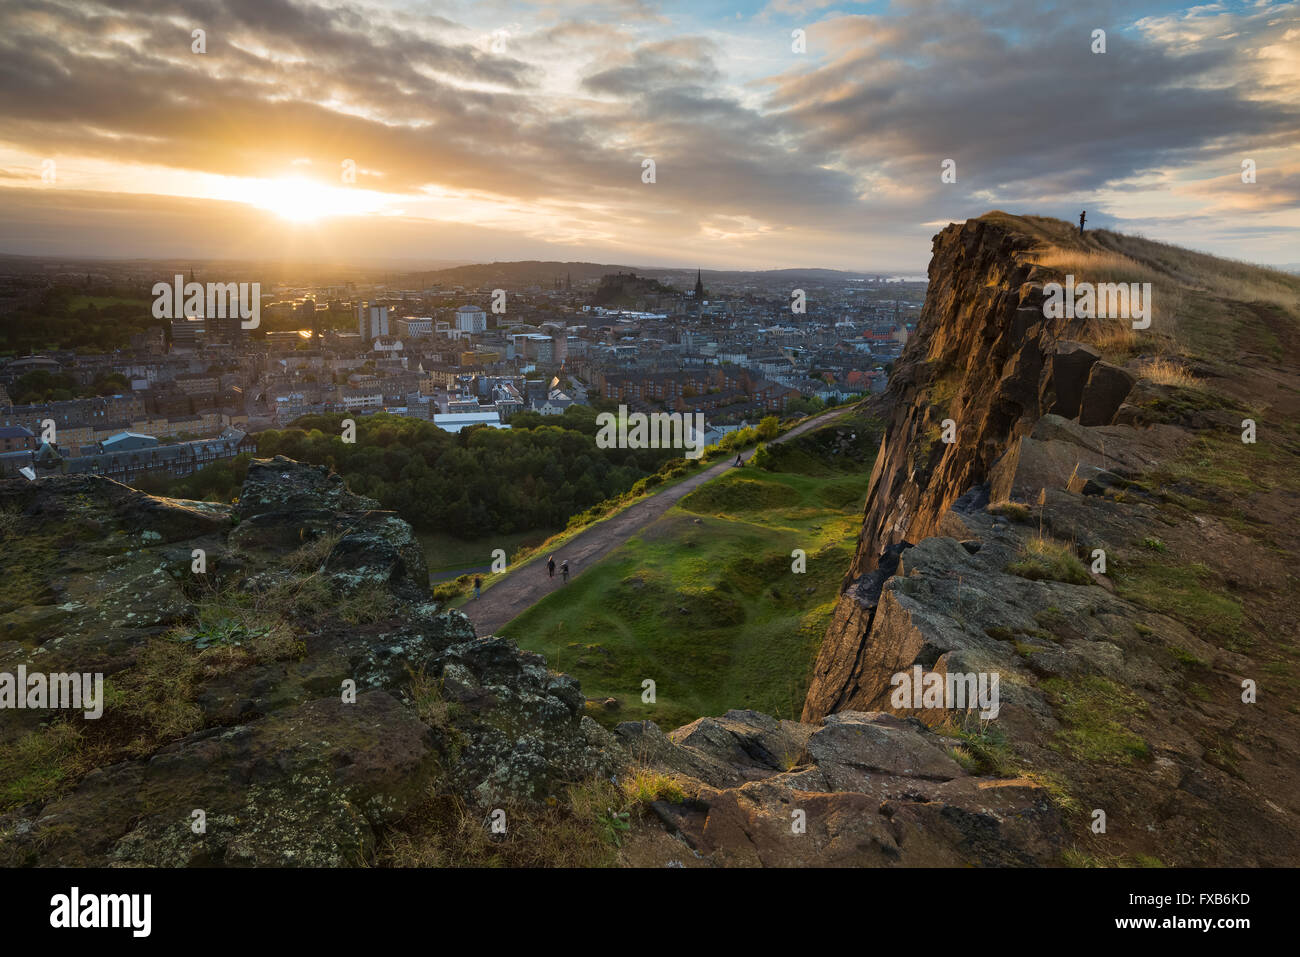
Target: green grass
{"points": [[1015, 511], [1216, 471], [1096, 714], [1188, 592], [443, 552], [704, 601], [456, 592], [1046, 560], [35, 766]]}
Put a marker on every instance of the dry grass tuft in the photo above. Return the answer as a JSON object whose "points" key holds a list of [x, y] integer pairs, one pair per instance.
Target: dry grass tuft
{"points": [[1167, 371]]}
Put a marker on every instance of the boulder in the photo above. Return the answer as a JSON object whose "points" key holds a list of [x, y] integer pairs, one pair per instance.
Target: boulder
{"points": [[1071, 364], [524, 731], [852, 744], [1105, 391], [303, 787]]}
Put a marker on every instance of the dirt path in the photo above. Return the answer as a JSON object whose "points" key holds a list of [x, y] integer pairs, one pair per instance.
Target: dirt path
{"points": [[527, 584]]}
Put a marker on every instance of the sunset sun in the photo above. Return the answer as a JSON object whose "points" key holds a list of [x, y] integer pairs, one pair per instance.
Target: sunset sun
{"points": [[301, 200]]}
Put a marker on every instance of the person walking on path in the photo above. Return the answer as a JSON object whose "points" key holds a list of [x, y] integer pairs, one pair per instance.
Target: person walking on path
{"points": [[564, 570], [738, 462], [550, 566], [478, 585]]}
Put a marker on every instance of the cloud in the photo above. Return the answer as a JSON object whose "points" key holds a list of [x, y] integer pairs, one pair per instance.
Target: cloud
{"points": [[835, 153]]}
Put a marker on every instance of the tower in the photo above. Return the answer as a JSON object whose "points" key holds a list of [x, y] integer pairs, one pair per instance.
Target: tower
{"points": [[699, 286]]}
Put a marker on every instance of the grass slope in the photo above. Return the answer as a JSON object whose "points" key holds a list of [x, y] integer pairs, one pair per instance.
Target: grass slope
{"points": [[705, 603]]}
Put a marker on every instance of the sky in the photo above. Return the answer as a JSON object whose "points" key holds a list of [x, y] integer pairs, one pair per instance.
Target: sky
{"points": [[408, 132]]}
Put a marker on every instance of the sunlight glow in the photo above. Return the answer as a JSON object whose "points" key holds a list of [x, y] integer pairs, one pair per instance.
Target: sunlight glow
{"points": [[302, 200]]}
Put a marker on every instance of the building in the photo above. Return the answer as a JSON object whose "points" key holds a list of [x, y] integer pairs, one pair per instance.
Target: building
{"points": [[415, 327], [224, 330], [471, 319], [128, 442], [455, 421], [126, 457], [15, 438], [290, 406], [464, 403], [372, 321], [553, 404], [507, 400], [186, 334], [200, 383], [368, 397]]}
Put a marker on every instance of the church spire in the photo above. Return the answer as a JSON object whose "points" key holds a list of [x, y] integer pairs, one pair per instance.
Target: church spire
{"points": [[699, 286]]}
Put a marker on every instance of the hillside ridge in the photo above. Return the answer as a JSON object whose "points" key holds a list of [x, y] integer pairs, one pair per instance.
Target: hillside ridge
{"points": [[1077, 440]]}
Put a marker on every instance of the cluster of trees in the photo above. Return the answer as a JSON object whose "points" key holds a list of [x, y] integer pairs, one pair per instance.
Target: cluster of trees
{"points": [[805, 405], [66, 318], [477, 482], [41, 386], [218, 482]]}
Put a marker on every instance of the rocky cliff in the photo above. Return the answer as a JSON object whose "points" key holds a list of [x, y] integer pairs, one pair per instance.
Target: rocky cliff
{"points": [[1086, 535]]}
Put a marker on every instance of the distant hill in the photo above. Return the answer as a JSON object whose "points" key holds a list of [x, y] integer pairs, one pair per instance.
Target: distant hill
{"points": [[533, 272]]}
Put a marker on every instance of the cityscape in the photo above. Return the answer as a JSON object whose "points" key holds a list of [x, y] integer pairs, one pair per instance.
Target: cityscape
{"points": [[194, 391], [445, 443]]}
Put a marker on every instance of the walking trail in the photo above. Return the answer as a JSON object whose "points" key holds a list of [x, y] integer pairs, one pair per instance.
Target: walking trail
{"points": [[524, 586]]}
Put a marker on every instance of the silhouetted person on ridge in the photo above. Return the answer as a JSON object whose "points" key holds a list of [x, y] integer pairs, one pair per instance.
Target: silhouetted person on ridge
{"points": [[1082, 216]]}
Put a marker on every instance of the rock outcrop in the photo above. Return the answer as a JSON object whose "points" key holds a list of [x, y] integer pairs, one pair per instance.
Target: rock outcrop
{"points": [[1083, 538], [861, 790], [302, 692]]}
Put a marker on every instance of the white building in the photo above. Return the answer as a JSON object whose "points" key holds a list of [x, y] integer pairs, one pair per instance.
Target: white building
{"points": [[372, 321], [455, 421], [416, 327], [471, 319], [363, 399]]}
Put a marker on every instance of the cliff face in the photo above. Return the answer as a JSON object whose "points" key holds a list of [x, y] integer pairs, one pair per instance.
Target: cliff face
{"points": [[978, 358], [1083, 536], [986, 362]]}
